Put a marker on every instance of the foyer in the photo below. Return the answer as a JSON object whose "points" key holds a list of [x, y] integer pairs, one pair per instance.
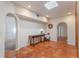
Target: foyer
{"points": [[38, 29]]}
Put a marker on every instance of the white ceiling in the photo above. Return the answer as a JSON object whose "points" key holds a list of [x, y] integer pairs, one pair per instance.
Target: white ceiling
{"points": [[38, 6]]}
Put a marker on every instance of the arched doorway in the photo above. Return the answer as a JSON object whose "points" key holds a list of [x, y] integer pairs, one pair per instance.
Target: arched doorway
{"points": [[10, 40], [62, 33]]}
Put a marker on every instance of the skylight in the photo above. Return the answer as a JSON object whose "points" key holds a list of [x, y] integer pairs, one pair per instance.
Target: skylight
{"points": [[51, 5]]}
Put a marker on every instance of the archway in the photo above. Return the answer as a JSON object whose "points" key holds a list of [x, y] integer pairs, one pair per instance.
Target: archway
{"points": [[62, 33], [11, 35]]}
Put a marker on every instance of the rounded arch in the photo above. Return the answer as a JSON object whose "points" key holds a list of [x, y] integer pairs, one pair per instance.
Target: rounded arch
{"points": [[61, 23], [62, 32], [10, 34]]}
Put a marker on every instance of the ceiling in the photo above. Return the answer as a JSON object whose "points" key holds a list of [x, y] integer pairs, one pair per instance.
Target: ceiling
{"points": [[64, 7]]}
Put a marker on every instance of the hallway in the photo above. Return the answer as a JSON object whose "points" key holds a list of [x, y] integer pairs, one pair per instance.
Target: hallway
{"points": [[39, 29], [49, 49]]}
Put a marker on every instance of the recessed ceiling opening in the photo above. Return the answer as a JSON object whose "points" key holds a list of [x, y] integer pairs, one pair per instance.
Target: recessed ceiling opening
{"points": [[51, 5]]}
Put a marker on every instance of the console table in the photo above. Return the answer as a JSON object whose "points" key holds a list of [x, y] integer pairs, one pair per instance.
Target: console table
{"points": [[34, 39]]}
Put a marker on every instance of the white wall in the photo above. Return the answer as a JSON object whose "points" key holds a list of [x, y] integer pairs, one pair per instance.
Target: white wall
{"points": [[5, 7], [70, 21], [26, 28]]}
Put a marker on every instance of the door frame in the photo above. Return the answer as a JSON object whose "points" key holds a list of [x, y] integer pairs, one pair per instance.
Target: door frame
{"points": [[76, 28]]}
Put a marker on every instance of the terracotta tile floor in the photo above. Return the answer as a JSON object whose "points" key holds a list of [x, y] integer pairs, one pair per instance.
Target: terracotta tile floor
{"points": [[48, 49]]}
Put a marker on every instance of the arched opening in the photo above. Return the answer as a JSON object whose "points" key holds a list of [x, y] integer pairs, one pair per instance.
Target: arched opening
{"points": [[62, 33], [10, 40]]}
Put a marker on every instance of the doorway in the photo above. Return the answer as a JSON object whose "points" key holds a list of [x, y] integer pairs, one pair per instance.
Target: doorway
{"points": [[62, 33], [10, 41]]}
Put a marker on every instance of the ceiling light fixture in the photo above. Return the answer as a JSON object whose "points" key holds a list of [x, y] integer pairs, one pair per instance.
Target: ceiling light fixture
{"points": [[47, 16], [51, 4], [69, 13], [29, 6]]}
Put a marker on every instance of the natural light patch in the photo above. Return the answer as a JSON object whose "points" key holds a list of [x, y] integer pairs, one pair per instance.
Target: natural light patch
{"points": [[51, 4]]}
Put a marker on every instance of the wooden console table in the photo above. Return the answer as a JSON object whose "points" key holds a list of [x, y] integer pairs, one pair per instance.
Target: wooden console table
{"points": [[34, 39]]}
